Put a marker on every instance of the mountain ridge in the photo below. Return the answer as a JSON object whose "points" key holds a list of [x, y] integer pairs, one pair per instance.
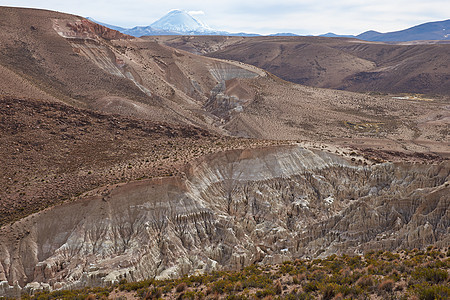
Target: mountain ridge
{"points": [[332, 62], [437, 30], [179, 22], [175, 22]]}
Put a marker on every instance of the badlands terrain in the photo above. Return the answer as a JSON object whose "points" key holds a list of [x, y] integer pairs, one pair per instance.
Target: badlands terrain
{"points": [[137, 158]]}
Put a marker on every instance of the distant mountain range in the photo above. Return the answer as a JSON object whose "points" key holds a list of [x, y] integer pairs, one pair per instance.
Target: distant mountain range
{"points": [[175, 22], [439, 30], [179, 22]]}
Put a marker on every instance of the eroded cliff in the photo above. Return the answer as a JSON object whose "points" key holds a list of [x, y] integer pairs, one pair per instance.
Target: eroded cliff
{"points": [[232, 209]]}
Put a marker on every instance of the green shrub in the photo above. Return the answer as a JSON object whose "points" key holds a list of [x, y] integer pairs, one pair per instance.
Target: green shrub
{"points": [[237, 297], [305, 296], [181, 287], [219, 286], [252, 270], [310, 287], [287, 268], [349, 290], [189, 295], [329, 291], [265, 293], [433, 292], [431, 275], [254, 281], [355, 262], [336, 265], [134, 286], [317, 275]]}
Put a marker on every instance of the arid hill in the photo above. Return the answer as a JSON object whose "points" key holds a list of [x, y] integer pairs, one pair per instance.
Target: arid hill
{"points": [[123, 158], [66, 58], [338, 63], [229, 210], [62, 57], [59, 59], [52, 152]]}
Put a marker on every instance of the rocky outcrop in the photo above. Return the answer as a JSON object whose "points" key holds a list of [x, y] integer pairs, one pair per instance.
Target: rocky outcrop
{"points": [[232, 209], [158, 71], [86, 29], [224, 100]]}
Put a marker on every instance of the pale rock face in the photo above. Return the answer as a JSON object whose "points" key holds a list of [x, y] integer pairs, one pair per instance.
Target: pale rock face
{"points": [[234, 208]]}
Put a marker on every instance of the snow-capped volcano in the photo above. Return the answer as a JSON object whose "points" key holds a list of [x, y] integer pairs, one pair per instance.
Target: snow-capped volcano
{"points": [[175, 22], [182, 22]]}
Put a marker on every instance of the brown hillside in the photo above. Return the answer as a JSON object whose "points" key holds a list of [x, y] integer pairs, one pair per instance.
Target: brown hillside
{"points": [[65, 57], [283, 110], [73, 69], [338, 63], [52, 152]]}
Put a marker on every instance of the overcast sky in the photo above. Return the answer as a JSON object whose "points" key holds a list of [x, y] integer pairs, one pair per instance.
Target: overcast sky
{"points": [[261, 16]]}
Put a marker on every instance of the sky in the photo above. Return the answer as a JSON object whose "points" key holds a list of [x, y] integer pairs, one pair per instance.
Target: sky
{"points": [[303, 17]]}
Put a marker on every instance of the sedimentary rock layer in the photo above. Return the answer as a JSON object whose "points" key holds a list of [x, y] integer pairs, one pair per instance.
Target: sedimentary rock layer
{"points": [[232, 209]]}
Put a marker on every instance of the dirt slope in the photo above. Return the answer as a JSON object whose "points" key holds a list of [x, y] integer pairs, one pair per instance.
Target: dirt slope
{"points": [[338, 63], [52, 152], [48, 58], [232, 209], [53, 57], [84, 64], [282, 110]]}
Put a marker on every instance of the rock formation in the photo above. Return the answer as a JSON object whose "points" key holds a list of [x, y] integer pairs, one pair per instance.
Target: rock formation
{"points": [[232, 209]]}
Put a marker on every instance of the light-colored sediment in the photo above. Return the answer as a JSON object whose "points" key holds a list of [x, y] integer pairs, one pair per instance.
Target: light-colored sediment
{"points": [[233, 209]]}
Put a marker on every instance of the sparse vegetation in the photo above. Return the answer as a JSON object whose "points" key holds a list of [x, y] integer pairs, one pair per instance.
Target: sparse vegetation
{"points": [[401, 275], [364, 126], [108, 149]]}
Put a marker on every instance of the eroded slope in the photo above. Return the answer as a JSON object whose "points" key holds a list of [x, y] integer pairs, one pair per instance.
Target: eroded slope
{"points": [[51, 152], [69, 58], [233, 209], [338, 63]]}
